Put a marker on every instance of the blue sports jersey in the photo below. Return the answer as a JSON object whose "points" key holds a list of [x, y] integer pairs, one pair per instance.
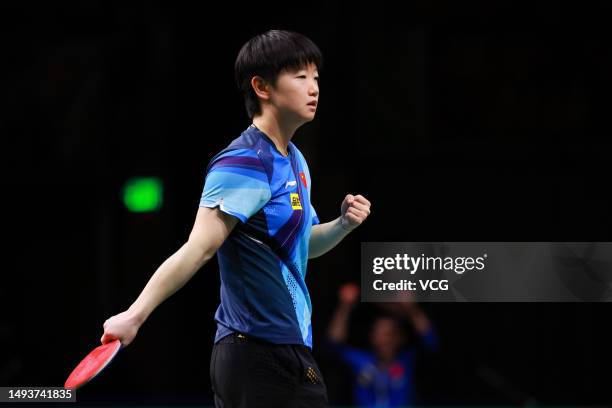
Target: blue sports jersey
{"points": [[263, 261]]}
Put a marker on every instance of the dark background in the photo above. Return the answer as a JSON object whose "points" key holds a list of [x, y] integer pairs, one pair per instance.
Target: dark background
{"points": [[460, 121]]}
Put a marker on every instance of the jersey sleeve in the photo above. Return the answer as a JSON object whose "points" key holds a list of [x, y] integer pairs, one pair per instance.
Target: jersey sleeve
{"points": [[315, 217], [237, 183]]}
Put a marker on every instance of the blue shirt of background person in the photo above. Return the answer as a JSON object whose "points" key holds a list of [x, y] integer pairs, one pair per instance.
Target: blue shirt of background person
{"points": [[384, 375]]}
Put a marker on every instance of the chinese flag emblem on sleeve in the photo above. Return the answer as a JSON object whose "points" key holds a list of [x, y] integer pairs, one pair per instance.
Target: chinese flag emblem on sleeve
{"points": [[303, 178]]}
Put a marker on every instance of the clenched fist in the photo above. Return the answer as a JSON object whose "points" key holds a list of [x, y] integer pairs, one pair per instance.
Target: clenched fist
{"points": [[354, 211]]}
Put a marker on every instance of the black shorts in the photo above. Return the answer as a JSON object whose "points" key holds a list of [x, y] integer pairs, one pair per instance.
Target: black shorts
{"points": [[247, 372]]}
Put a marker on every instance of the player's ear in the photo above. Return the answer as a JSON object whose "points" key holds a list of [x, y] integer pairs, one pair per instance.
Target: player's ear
{"points": [[261, 87]]}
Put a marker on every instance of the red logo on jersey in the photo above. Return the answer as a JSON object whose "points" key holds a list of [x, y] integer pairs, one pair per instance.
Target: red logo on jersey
{"points": [[303, 178], [396, 371]]}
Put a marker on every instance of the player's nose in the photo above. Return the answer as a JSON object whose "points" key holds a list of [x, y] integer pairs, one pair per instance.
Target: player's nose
{"points": [[313, 90]]}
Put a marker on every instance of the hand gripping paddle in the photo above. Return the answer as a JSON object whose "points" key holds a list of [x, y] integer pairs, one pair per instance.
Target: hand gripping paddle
{"points": [[92, 364]]}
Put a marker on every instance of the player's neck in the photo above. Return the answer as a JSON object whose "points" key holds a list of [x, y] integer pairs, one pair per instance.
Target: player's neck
{"points": [[385, 359], [384, 363], [280, 133]]}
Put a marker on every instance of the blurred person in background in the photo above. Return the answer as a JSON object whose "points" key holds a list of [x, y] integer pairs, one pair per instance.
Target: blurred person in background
{"points": [[383, 376]]}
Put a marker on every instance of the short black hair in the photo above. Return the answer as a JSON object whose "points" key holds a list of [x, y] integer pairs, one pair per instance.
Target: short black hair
{"points": [[266, 55]]}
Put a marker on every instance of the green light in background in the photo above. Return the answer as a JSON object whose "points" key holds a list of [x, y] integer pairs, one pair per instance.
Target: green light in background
{"points": [[143, 194]]}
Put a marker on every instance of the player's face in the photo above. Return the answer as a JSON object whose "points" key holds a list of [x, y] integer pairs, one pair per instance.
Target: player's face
{"points": [[296, 94]]}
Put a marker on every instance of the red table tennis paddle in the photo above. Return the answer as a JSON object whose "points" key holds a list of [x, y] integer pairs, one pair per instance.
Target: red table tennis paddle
{"points": [[92, 364]]}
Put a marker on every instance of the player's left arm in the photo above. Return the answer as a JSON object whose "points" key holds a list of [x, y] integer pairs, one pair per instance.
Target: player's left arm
{"points": [[323, 237]]}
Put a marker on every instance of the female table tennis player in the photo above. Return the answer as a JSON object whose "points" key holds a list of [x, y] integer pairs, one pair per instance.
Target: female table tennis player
{"points": [[255, 214]]}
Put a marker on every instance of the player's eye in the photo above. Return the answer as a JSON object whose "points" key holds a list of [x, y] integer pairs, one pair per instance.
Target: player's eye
{"points": [[302, 76]]}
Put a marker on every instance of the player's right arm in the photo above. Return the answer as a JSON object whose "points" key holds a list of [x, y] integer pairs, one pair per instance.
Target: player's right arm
{"points": [[210, 229]]}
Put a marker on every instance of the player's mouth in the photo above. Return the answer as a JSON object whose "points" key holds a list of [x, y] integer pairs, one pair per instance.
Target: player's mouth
{"points": [[313, 104]]}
